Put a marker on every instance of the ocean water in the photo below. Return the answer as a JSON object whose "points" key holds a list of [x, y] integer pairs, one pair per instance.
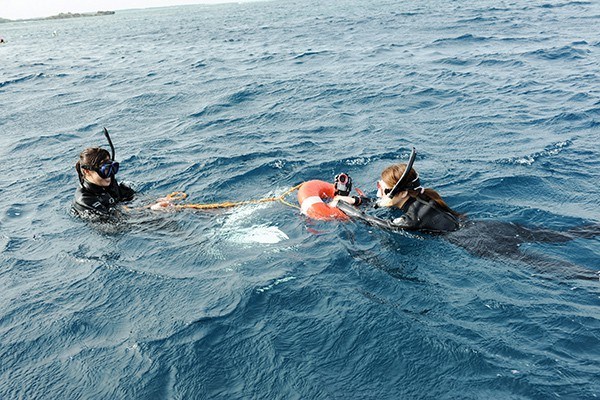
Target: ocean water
{"points": [[243, 101]]}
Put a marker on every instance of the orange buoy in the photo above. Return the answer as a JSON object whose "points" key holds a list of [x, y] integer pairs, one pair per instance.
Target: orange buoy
{"points": [[311, 195]]}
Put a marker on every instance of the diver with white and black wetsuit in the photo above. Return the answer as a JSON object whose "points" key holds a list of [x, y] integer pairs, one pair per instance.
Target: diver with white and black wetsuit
{"points": [[425, 211], [99, 192]]}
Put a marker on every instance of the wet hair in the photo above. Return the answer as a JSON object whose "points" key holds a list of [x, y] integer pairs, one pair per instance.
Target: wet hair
{"points": [[90, 158], [392, 174]]}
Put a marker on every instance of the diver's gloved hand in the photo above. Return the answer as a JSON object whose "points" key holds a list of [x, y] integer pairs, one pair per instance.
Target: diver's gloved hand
{"points": [[342, 184]]}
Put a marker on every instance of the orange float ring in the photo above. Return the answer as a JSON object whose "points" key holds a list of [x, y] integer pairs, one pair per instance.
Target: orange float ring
{"points": [[311, 195]]}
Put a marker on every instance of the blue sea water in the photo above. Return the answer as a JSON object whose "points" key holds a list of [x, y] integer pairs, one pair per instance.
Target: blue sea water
{"points": [[243, 101]]}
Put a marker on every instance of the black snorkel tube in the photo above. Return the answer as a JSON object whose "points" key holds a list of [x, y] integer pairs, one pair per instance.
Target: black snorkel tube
{"points": [[400, 184], [110, 143]]}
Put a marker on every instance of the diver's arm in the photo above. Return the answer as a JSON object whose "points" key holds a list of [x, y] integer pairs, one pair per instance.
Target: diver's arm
{"points": [[352, 200], [120, 191], [126, 193], [338, 198], [354, 212]]}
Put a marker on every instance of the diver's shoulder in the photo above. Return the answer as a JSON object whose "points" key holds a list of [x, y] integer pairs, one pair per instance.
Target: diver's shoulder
{"points": [[86, 200]]}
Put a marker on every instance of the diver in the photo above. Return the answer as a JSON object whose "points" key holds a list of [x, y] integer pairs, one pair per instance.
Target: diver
{"points": [[400, 188], [99, 192], [425, 211]]}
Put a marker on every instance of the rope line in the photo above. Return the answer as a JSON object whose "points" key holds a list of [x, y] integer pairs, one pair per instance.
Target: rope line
{"points": [[180, 196]]}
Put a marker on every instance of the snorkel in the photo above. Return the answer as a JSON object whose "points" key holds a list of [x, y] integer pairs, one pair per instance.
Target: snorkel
{"points": [[402, 184], [110, 143], [98, 160]]}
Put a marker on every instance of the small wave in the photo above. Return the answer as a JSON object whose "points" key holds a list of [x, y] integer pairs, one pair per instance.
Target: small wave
{"points": [[478, 19], [233, 99], [568, 117], [562, 117], [569, 3], [549, 151], [405, 14], [275, 283], [454, 61], [22, 79], [35, 142], [556, 53], [500, 63], [309, 53], [241, 96], [437, 93], [461, 39]]}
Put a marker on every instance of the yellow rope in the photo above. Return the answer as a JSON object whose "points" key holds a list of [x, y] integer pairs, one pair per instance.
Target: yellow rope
{"points": [[178, 196]]}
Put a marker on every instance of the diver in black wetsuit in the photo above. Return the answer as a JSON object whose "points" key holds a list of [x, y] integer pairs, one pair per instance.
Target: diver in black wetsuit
{"points": [[99, 192], [425, 211]]}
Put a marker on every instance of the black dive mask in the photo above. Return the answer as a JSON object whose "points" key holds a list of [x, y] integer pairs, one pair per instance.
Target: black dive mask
{"points": [[107, 169]]}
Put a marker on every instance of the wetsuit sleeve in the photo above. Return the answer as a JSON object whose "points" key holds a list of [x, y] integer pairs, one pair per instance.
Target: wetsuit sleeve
{"points": [[120, 191], [361, 200], [354, 212], [126, 193]]}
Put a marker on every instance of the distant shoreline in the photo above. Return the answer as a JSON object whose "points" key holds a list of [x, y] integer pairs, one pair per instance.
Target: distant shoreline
{"points": [[62, 16]]}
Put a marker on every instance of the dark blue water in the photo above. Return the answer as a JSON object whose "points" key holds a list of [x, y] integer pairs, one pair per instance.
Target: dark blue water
{"points": [[243, 101]]}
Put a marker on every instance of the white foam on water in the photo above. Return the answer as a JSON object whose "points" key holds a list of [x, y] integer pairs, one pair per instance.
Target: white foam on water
{"points": [[258, 234], [235, 231]]}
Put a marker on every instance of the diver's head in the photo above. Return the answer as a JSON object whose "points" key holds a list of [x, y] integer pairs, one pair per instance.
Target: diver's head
{"points": [[95, 166], [389, 178]]}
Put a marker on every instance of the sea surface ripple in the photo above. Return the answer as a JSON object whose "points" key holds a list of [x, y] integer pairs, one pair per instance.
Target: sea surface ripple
{"points": [[243, 101]]}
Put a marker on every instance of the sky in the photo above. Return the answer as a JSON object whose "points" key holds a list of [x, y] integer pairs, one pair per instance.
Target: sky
{"points": [[21, 9]]}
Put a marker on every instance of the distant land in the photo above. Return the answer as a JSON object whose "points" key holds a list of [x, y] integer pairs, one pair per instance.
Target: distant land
{"points": [[63, 16]]}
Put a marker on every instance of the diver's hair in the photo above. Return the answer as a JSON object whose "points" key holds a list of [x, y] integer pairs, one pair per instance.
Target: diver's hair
{"points": [[91, 156], [393, 173]]}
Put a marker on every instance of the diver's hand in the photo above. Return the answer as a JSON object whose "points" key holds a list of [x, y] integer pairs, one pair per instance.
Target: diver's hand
{"points": [[345, 199], [161, 204]]}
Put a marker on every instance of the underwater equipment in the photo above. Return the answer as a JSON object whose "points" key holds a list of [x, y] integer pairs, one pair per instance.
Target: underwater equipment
{"points": [[342, 184], [402, 184], [110, 143], [110, 168], [107, 169], [380, 187]]}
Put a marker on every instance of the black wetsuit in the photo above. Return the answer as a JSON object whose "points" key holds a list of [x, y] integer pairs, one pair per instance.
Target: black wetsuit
{"points": [[99, 200], [489, 239], [419, 215]]}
